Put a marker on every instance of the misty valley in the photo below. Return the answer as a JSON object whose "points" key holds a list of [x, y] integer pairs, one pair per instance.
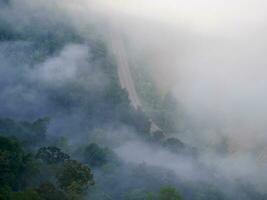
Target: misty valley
{"points": [[115, 100]]}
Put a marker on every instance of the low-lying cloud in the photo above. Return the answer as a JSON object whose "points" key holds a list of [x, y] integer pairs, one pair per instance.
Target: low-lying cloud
{"points": [[215, 67]]}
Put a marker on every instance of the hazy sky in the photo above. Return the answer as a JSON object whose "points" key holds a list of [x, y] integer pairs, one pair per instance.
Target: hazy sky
{"points": [[205, 15], [209, 53]]}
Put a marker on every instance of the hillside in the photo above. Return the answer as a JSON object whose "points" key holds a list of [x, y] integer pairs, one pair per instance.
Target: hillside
{"points": [[79, 121]]}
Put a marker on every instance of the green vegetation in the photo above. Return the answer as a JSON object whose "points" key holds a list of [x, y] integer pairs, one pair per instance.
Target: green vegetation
{"points": [[165, 193], [51, 155], [74, 178], [95, 155], [169, 193], [73, 153], [20, 170], [26, 195], [14, 165], [48, 191], [29, 133], [163, 109]]}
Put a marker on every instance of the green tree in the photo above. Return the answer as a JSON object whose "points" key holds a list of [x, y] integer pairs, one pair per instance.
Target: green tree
{"points": [[30, 194], [74, 177], [12, 161], [29, 133], [169, 193], [17, 169], [5, 193], [95, 156], [48, 191], [51, 155]]}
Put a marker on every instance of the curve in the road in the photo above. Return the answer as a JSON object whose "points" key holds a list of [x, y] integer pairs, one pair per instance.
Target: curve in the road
{"points": [[125, 76]]}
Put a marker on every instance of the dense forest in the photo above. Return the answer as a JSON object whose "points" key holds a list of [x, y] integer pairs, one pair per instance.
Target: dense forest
{"points": [[65, 122]]}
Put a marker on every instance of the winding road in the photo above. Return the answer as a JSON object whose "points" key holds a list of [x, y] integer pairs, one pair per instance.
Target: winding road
{"points": [[125, 76]]}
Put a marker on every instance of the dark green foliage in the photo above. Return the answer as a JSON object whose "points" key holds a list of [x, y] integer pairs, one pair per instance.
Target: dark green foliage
{"points": [[29, 133], [5, 193], [16, 169], [12, 162], [52, 41], [166, 193], [51, 155], [30, 194], [11, 145], [31, 169], [48, 191], [74, 177], [96, 156], [6, 34], [100, 157], [169, 193], [38, 127]]}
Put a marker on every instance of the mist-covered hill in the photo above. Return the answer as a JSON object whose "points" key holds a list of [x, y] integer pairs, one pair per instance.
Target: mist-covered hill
{"points": [[68, 130]]}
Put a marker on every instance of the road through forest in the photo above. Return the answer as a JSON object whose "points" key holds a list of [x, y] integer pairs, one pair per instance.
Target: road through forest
{"points": [[125, 76], [127, 83]]}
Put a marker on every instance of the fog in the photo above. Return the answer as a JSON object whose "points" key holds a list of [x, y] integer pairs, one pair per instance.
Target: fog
{"points": [[210, 55]]}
